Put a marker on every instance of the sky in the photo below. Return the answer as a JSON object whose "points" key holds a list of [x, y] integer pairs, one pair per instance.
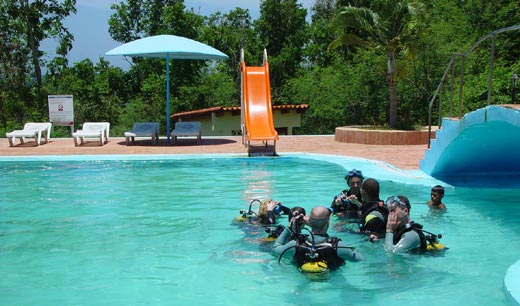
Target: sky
{"points": [[90, 26]]}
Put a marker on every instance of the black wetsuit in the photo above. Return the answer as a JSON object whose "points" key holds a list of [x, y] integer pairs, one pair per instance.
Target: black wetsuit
{"points": [[401, 229], [376, 225], [347, 208]]}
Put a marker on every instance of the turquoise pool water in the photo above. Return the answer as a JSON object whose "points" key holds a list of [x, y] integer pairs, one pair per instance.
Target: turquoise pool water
{"points": [[159, 232]]}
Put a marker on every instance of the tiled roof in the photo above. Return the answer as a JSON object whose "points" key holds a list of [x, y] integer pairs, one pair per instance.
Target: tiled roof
{"points": [[203, 111]]}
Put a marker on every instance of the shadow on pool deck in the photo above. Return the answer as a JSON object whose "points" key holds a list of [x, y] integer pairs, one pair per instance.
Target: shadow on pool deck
{"points": [[402, 156]]}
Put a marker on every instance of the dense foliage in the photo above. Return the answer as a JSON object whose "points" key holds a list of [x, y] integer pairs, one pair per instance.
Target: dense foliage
{"points": [[356, 62]]}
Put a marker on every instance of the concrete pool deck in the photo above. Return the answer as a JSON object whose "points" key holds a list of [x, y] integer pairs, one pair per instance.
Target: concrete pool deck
{"points": [[405, 157]]}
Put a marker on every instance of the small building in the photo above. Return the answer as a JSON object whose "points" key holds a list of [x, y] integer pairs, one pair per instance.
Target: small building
{"points": [[225, 120]]}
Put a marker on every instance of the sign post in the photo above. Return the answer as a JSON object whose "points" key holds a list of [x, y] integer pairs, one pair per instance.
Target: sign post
{"points": [[61, 111]]}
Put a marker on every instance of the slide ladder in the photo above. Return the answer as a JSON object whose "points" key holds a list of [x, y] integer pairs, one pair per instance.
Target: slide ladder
{"points": [[256, 109]]}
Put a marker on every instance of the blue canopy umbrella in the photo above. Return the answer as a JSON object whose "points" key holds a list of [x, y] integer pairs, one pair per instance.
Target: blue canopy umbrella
{"points": [[168, 47]]}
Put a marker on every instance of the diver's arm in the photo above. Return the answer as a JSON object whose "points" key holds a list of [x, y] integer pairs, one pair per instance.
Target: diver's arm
{"points": [[284, 209], [284, 237], [349, 253], [271, 205], [334, 204], [354, 200], [283, 242], [271, 217], [339, 199], [410, 240]]}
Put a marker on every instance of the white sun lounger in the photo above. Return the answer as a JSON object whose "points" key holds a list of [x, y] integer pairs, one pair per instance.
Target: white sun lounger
{"points": [[31, 130], [143, 129], [186, 129], [92, 130]]}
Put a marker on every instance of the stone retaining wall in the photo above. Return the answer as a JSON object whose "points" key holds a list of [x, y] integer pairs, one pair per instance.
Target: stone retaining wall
{"points": [[382, 137]]}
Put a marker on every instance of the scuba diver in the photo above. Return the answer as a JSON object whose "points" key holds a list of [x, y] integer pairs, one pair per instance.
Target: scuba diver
{"points": [[347, 203], [373, 212], [404, 235], [295, 212], [268, 213], [316, 252]]}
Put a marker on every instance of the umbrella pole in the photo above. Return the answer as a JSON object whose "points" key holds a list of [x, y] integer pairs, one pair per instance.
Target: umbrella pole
{"points": [[167, 98]]}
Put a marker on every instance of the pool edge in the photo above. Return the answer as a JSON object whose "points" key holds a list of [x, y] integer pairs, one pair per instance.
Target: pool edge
{"points": [[512, 283]]}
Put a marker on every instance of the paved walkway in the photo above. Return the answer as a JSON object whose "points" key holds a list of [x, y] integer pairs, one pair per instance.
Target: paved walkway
{"points": [[404, 157]]}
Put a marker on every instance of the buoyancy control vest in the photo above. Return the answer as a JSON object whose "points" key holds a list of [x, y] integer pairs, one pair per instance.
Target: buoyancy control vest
{"points": [[368, 208], [412, 226], [326, 251]]}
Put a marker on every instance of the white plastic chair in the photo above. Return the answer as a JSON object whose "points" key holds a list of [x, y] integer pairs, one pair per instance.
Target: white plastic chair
{"points": [[92, 130], [31, 130]]}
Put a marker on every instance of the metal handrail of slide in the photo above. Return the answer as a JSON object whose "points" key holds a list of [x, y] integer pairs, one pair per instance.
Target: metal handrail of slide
{"points": [[242, 123], [451, 66]]}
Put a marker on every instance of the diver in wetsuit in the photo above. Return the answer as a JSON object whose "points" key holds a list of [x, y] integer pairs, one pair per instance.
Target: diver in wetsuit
{"points": [[347, 203], [373, 212], [402, 234], [333, 251], [295, 212]]}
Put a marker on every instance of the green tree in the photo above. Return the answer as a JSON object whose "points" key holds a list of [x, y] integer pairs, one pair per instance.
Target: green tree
{"points": [[229, 33], [282, 30], [387, 25], [97, 90], [340, 94], [24, 25], [135, 19], [321, 33], [29, 23]]}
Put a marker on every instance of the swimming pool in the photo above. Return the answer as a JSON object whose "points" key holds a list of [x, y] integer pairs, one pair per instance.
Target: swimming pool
{"points": [[121, 230]]}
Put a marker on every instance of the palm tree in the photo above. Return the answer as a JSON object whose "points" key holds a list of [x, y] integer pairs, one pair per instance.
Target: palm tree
{"points": [[387, 25]]}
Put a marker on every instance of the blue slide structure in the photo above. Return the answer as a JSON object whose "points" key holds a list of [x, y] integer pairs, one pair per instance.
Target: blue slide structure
{"points": [[483, 143]]}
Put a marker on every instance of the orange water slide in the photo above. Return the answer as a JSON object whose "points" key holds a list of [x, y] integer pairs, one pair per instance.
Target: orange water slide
{"points": [[257, 110]]}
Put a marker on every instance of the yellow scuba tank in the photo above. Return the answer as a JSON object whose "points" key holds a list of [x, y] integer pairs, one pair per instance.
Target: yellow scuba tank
{"points": [[314, 267], [435, 246]]}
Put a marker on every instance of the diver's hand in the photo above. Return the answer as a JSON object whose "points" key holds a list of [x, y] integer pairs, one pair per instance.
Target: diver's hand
{"points": [[354, 200], [351, 197], [392, 222], [297, 223], [271, 204], [373, 237], [338, 200]]}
